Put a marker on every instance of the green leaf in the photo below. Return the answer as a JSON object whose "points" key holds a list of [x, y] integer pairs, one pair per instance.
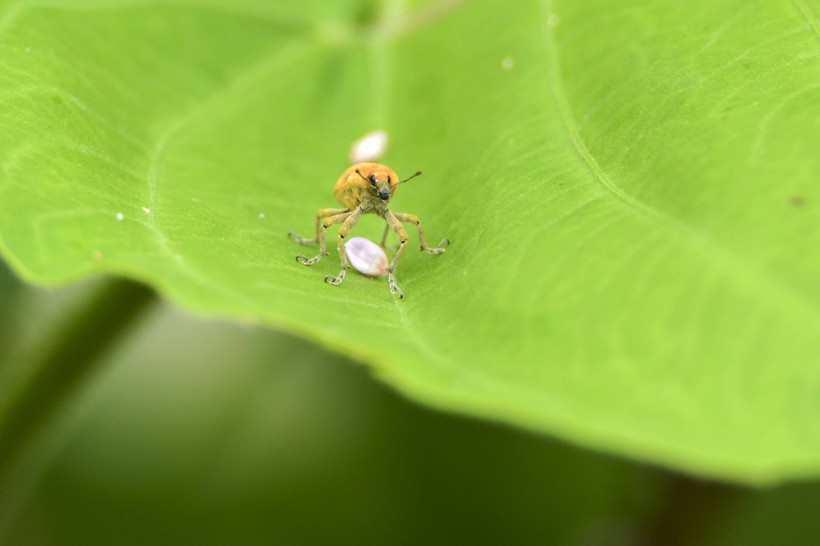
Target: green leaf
{"points": [[630, 189]]}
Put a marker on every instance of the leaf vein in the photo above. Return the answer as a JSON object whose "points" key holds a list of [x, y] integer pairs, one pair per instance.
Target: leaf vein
{"points": [[11, 14], [267, 67], [810, 16], [740, 266]]}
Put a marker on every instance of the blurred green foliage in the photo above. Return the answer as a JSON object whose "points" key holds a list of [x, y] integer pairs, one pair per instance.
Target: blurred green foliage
{"points": [[195, 431]]}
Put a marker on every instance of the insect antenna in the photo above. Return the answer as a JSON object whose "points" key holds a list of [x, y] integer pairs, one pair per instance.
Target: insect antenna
{"points": [[417, 173], [360, 174]]}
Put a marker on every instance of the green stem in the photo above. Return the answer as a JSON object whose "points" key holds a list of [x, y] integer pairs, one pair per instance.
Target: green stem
{"points": [[9, 295], [68, 360]]}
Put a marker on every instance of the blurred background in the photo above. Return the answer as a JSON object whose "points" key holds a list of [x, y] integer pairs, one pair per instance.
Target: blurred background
{"points": [[184, 430]]}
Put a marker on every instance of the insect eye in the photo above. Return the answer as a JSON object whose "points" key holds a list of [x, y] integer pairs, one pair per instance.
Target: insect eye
{"points": [[388, 179], [372, 179]]}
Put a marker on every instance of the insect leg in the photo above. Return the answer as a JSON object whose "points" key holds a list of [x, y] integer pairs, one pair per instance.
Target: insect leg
{"points": [[321, 213], [413, 219], [394, 223], [383, 244], [349, 223], [384, 237], [336, 219]]}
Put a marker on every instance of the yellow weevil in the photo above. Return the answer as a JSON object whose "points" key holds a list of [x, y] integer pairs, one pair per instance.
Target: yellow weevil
{"points": [[364, 188]]}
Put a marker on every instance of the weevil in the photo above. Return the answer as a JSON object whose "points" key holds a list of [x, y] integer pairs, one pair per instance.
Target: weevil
{"points": [[362, 189]]}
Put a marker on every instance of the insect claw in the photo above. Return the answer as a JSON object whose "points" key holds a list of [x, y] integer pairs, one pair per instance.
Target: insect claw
{"points": [[335, 281], [439, 250], [301, 240], [394, 288], [304, 260]]}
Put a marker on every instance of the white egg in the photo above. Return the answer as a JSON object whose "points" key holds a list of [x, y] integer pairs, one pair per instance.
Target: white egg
{"points": [[369, 148], [366, 256]]}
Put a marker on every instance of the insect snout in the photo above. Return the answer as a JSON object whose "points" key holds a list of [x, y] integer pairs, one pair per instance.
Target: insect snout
{"points": [[384, 193]]}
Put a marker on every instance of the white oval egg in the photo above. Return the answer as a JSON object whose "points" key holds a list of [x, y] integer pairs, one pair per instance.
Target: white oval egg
{"points": [[369, 148], [366, 256]]}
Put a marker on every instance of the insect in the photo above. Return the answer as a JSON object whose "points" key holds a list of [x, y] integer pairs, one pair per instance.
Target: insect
{"points": [[364, 188]]}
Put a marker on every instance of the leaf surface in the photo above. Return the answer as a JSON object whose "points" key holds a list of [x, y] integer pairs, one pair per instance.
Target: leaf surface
{"points": [[630, 189]]}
